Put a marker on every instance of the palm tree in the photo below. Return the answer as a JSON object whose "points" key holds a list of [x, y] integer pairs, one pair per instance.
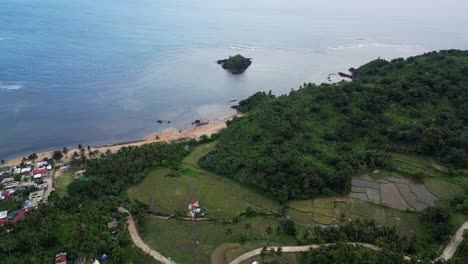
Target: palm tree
{"points": [[279, 251], [248, 227], [33, 157], [263, 253], [268, 231], [65, 152], [2, 162]]}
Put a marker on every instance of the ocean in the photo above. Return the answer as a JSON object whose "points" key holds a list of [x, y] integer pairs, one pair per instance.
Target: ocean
{"points": [[104, 71]]}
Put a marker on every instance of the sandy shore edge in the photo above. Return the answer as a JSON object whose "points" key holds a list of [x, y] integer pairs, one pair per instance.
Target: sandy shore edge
{"points": [[166, 135]]}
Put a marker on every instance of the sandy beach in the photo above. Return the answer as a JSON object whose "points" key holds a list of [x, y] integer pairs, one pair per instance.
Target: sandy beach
{"points": [[167, 135]]}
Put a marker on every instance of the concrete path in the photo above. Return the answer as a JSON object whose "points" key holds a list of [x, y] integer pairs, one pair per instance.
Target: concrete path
{"points": [[289, 249], [448, 253], [452, 246], [140, 243]]}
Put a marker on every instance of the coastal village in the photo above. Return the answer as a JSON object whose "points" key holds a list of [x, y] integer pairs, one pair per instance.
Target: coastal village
{"points": [[27, 185], [28, 182]]}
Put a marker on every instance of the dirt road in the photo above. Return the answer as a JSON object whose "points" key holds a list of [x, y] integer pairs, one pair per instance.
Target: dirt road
{"points": [[140, 243]]}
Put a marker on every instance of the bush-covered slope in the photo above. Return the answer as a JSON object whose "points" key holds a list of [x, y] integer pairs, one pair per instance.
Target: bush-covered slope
{"points": [[311, 141]]}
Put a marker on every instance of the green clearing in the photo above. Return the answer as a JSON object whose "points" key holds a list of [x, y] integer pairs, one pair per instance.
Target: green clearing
{"points": [[199, 152], [415, 165], [166, 190], [232, 253], [442, 189], [62, 182], [178, 239], [135, 255], [321, 211], [316, 211], [221, 196]]}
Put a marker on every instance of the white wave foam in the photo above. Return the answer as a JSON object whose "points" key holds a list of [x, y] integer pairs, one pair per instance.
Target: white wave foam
{"points": [[368, 45], [4, 86], [5, 39]]}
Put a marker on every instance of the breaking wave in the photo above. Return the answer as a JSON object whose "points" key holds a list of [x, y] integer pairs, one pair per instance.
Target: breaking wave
{"points": [[4, 86]]}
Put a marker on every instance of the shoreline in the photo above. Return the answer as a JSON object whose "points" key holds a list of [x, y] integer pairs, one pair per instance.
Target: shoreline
{"points": [[167, 135]]}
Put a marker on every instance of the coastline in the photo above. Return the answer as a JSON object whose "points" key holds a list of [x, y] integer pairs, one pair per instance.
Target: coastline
{"points": [[167, 135]]}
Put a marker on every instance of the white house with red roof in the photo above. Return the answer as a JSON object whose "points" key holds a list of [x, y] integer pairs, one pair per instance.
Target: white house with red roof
{"points": [[40, 173], [61, 258]]}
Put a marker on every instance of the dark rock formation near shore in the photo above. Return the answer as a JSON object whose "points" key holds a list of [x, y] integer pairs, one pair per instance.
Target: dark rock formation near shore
{"points": [[351, 75]]}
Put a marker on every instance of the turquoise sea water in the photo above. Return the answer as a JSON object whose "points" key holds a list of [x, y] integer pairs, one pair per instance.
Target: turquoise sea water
{"points": [[103, 71]]}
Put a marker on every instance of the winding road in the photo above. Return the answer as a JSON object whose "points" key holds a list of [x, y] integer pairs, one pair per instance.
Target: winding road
{"points": [[447, 254], [140, 243]]}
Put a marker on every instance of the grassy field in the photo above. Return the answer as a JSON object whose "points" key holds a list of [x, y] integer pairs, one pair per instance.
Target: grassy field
{"points": [[221, 196], [317, 211], [422, 166], [199, 152], [193, 242], [135, 255], [62, 182], [442, 189], [234, 252], [166, 190]]}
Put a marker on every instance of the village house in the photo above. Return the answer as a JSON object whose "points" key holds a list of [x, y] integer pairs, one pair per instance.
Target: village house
{"points": [[64, 168], [61, 258], [194, 209], [113, 224], [37, 174], [5, 171]]}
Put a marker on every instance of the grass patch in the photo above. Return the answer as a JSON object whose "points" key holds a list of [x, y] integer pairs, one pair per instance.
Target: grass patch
{"points": [[310, 218], [198, 152], [442, 189], [221, 196], [233, 253], [135, 255], [176, 239], [62, 182]]}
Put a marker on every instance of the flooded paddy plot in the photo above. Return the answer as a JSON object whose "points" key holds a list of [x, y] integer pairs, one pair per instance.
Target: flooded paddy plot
{"points": [[400, 193], [424, 195], [365, 183], [392, 197]]}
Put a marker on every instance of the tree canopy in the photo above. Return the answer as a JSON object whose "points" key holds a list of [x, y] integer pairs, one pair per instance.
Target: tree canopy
{"points": [[313, 140]]}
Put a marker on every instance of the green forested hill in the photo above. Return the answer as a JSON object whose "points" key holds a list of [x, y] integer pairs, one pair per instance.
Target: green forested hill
{"points": [[311, 141]]}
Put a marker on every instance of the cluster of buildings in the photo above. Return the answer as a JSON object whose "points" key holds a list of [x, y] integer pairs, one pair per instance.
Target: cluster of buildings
{"points": [[194, 209], [11, 185]]}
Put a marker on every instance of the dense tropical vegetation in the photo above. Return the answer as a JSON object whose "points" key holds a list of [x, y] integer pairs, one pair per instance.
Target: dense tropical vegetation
{"points": [[311, 141], [77, 223], [235, 64]]}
